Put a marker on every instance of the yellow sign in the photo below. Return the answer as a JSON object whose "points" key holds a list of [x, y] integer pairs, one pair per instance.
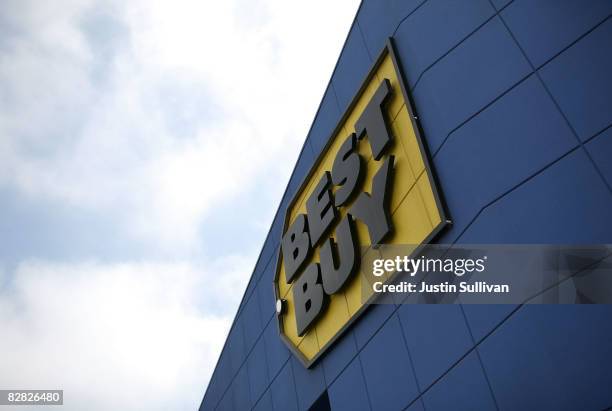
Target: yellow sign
{"points": [[372, 184]]}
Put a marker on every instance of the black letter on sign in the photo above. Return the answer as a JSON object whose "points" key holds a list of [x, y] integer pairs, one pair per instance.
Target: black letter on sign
{"points": [[308, 298], [372, 121], [296, 246], [346, 171], [320, 209], [374, 210], [334, 272]]}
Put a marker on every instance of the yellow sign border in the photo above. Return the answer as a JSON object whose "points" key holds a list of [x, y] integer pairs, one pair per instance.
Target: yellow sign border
{"points": [[388, 50]]}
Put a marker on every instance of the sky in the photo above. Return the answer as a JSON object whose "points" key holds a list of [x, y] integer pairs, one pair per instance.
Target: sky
{"points": [[144, 147]]}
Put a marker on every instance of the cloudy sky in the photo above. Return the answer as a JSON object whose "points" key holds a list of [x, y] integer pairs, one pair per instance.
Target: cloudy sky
{"points": [[117, 233]]}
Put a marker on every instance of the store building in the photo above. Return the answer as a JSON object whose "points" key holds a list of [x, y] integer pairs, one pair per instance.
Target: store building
{"points": [[476, 122]]}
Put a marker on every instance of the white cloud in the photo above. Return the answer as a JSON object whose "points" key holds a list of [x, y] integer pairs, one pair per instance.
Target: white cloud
{"points": [[125, 336], [161, 110], [154, 114]]}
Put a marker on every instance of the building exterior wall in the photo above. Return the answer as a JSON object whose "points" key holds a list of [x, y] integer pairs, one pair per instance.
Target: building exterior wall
{"points": [[515, 102]]}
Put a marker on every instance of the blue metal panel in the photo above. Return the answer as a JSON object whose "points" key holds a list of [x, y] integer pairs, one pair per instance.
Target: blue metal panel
{"points": [[283, 390], [348, 392], [545, 27], [387, 369], [257, 368], [479, 70], [302, 168], [378, 19], [227, 402], [464, 388], [276, 352], [416, 406], [251, 321], [222, 376], [273, 239], [567, 203], [483, 318], [235, 347], [506, 143], [241, 390], [370, 322], [600, 149], [339, 356], [325, 121], [271, 246], [556, 357], [267, 253], [580, 82], [500, 4], [437, 337], [265, 402], [436, 27], [351, 68], [310, 383], [266, 292]]}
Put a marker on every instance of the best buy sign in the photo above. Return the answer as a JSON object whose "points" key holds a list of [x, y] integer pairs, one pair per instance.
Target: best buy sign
{"points": [[372, 184]]}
